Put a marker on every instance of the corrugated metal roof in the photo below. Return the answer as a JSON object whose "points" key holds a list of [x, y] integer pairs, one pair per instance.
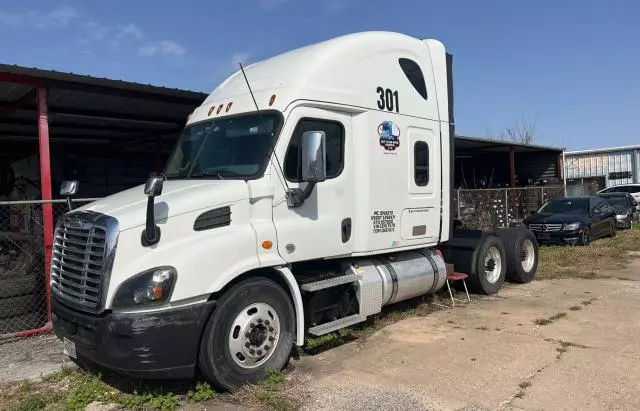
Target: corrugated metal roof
{"points": [[603, 150], [53, 76], [485, 144], [85, 107]]}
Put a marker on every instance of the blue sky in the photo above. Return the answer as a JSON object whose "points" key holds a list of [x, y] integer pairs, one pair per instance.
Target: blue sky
{"points": [[572, 66]]}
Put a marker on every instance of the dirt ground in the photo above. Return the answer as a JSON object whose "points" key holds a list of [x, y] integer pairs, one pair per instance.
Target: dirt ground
{"points": [[547, 345], [494, 354]]}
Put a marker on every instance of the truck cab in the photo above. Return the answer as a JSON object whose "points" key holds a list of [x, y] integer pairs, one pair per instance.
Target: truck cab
{"points": [[305, 193]]}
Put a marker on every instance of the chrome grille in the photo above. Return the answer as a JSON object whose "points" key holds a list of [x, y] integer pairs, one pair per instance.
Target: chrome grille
{"points": [[545, 227], [81, 259]]}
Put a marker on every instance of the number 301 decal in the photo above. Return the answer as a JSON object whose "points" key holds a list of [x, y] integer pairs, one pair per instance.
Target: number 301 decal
{"points": [[388, 99]]}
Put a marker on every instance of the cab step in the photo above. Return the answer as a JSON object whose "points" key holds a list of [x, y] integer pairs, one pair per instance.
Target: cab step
{"points": [[336, 325], [330, 282]]}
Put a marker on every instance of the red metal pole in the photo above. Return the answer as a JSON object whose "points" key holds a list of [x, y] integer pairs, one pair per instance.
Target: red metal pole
{"points": [[45, 184]]}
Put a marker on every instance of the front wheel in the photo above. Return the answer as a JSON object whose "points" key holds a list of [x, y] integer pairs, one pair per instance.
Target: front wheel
{"points": [[585, 238], [249, 334], [614, 229]]}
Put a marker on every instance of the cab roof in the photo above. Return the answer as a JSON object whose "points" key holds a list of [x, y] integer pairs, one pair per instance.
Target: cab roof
{"points": [[346, 70]]}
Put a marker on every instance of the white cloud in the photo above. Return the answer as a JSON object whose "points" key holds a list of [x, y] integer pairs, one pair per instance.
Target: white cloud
{"points": [[97, 31], [129, 31], [163, 48], [58, 18]]}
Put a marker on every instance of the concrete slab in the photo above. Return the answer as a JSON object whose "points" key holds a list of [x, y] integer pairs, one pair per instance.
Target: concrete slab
{"points": [[492, 355], [31, 358], [586, 380], [442, 367]]}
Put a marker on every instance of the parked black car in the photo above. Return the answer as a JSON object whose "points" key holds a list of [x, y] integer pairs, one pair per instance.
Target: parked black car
{"points": [[572, 220], [625, 205]]}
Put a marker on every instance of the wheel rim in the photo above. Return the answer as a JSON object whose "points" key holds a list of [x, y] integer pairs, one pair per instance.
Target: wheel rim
{"points": [[528, 255], [254, 335], [492, 265]]}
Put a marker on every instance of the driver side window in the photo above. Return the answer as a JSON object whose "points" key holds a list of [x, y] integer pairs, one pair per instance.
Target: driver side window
{"points": [[334, 139]]}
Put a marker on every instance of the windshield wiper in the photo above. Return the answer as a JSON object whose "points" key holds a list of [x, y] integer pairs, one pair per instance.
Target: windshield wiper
{"points": [[218, 172]]}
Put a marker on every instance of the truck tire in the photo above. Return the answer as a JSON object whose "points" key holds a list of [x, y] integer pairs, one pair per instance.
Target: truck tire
{"points": [[490, 266], [18, 285], [237, 344], [521, 250], [16, 306]]}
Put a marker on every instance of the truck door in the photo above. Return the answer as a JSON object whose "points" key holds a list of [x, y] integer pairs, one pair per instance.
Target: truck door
{"points": [[421, 217], [321, 227]]}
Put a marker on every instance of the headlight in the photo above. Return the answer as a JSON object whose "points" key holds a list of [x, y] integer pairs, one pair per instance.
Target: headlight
{"points": [[571, 227], [151, 287], [621, 216]]}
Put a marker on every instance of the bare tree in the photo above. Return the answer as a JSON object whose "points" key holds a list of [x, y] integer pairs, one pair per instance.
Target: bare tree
{"points": [[522, 131]]}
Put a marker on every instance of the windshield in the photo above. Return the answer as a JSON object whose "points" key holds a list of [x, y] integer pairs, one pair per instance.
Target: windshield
{"points": [[617, 202], [237, 147], [566, 205]]}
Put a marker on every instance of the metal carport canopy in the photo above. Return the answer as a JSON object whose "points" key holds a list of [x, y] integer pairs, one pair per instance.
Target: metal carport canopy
{"points": [[80, 109]]}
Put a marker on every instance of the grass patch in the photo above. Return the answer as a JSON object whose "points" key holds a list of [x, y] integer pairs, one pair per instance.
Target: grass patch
{"points": [[525, 384], [542, 321], [483, 328], [269, 394], [73, 389], [547, 321], [202, 392], [586, 262], [575, 308], [520, 394]]}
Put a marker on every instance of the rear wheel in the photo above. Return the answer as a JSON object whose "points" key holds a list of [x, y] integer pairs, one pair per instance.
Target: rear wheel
{"points": [[521, 250], [490, 266], [249, 333]]}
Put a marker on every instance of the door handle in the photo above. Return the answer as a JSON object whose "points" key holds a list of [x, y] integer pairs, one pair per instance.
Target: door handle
{"points": [[346, 230]]}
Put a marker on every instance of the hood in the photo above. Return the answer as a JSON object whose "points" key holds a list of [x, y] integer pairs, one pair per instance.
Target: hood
{"points": [[178, 197], [556, 218]]}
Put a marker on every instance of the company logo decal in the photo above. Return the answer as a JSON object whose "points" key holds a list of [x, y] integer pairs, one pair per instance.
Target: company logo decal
{"points": [[389, 135]]}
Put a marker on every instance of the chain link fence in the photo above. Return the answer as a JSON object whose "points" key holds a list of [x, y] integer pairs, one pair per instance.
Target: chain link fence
{"points": [[491, 209], [23, 287]]}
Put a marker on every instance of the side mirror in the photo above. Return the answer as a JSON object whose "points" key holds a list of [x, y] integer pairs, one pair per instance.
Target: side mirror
{"points": [[151, 233], [68, 189], [532, 212], [314, 157], [153, 186]]}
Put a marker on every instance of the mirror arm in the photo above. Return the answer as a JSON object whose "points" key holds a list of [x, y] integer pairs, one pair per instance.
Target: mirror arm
{"points": [[151, 233], [69, 204], [296, 196]]}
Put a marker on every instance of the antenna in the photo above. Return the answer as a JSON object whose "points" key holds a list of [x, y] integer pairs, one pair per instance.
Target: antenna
{"points": [[260, 116]]}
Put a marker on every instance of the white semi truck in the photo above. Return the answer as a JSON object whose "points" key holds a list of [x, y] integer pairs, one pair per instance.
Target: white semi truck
{"points": [[305, 193]]}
